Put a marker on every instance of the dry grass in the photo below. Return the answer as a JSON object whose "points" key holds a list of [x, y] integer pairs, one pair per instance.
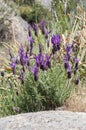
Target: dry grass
{"points": [[77, 101]]}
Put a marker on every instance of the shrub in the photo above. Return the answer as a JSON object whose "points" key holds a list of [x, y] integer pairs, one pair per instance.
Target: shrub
{"points": [[45, 94], [33, 14], [35, 77]]}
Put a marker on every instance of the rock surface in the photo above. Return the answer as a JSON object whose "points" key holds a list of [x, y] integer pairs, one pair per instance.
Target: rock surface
{"points": [[46, 3], [11, 24], [46, 120]]}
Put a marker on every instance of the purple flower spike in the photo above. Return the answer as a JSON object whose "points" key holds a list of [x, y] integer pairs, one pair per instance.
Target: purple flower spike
{"points": [[34, 70], [76, 65], [2, 74], [43, 23], [16, 109], [40, 48], [44, 29], [77, 80], [27, 59], [35, 28], [13, 66], [72, 46], [66, 64], [31, 40], [31, 48], [69, 72], [69, 50], [24, 59], [43, 26], [22, 77], [56, 39], [21, 51], [39, 59], [46, 33], [75, 71], [43, 61], [48, 63]]}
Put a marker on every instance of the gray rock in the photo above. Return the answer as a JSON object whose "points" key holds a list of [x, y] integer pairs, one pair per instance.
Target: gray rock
{"points": [[12, 26], [46, 3], [46, 120], [20, 29]]}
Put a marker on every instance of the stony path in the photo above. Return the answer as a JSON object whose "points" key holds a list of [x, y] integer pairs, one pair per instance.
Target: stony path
{"points": [[48, 120]]}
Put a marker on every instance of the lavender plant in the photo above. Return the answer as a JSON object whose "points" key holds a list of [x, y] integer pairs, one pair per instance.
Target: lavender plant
{"points": [[41, 66]]}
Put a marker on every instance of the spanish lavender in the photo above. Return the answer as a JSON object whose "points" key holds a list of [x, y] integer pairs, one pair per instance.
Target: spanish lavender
{"points": [[69, 71], [56, 40], [2, 74], [21, 77], [31, 41], [76, 65], [77, 80], [35, 28], [16, 109], [24, 59], [43, 26], [13, 66], [35, 70], [44, 29], [43, 61], [66, 63], [40, 48], [69, 49], [69, 59]]}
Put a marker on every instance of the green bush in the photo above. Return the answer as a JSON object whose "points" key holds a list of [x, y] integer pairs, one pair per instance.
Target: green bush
{"points": [[49, 92], [25, 12], [35, 13]]}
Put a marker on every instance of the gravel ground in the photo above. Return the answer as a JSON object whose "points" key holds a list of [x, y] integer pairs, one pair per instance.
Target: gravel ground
{"points": [[46, 120]]}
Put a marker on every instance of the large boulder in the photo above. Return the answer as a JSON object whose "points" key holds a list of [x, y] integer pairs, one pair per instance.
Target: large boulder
{"points": [[12, 26], [47, 120]]}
